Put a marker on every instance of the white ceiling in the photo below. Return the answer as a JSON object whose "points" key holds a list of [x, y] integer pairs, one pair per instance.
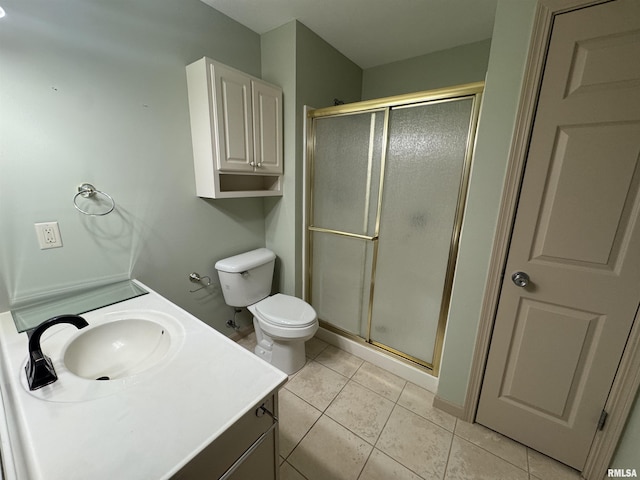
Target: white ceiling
{"points": [[373, 32]]}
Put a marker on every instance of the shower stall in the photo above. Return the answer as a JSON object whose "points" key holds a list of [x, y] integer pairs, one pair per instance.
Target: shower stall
{"points": [[386, 188]]}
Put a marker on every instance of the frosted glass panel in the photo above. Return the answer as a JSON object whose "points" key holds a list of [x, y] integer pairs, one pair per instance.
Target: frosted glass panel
{"points": [[426, 152], [346, 172], [340, 285]]}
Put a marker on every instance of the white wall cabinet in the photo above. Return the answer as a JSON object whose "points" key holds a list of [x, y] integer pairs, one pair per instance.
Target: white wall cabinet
{"points": [[236, 129]]}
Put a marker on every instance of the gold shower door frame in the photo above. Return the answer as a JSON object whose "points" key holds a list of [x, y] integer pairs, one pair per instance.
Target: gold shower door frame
{"points": [[471, 91]]}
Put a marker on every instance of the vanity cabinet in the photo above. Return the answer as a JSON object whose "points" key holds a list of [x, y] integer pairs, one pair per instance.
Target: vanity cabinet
{"points": [[248, 449], [194, 415], [236, 129]]}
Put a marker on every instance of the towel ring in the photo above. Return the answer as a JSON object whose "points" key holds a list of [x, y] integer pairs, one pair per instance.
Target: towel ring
{"points": [[87, 190]]}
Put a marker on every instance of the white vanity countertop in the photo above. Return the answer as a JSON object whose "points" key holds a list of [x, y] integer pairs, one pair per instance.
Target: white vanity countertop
{"points": [[143, 427]]}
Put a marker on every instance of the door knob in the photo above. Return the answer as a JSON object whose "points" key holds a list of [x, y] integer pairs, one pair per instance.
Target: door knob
{"points": [[521, 279]]}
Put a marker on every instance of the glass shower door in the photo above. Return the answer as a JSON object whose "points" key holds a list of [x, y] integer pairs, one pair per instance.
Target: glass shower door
{"points": [[427, 150], [345, 183], [387, 187]]}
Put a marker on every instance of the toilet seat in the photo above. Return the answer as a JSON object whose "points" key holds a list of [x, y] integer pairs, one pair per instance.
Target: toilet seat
{"points": [[285, 311]]}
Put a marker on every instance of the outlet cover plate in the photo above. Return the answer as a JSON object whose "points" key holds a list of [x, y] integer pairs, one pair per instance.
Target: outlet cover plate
{"points": [[48, 234]]}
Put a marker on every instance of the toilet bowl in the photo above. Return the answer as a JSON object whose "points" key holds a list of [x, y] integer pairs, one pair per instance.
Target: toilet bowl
{"points": [[282, 323]]}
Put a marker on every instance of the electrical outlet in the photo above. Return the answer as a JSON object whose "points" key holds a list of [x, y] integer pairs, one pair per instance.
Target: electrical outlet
{"points": [[48, 235]]}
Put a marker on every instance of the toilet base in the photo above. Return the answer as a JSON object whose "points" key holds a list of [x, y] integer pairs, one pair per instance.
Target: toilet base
{"points": [[288, 356]]}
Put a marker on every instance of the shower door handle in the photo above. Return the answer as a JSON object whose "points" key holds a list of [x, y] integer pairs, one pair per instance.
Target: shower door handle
{"points": [[521, 279]]}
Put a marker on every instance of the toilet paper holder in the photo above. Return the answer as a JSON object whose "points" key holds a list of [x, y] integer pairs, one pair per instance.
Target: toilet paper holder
{"points": [[195, 277]]}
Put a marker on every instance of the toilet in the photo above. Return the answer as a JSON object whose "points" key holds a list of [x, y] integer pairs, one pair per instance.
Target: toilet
{"points": [[282, 322]]}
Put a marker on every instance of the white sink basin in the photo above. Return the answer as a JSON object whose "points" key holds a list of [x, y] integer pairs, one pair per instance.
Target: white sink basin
{"points": [[118, 349], [123, 348]]}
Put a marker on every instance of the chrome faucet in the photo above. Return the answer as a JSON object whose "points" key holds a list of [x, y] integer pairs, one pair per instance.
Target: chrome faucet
{"points": [[39, 368]]}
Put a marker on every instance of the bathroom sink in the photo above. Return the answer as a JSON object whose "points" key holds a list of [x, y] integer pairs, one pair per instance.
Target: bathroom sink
{"points": [[117, 349]]}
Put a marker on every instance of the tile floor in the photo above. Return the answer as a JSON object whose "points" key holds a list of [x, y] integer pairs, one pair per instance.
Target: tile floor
{"points": [[345, 419]]}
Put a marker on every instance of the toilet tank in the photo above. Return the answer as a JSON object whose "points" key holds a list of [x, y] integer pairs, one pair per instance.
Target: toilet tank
{"points": [[246, 278]]}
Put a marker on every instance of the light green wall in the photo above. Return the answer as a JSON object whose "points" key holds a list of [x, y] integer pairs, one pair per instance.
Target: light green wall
{"points": [[95, 91], [315, 75], [279, 67], [454, 66], [323, 73], [510, 43], [627, 455]]}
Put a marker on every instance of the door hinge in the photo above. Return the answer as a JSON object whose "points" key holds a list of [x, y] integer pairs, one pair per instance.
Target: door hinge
{"points": [[602, 420]]}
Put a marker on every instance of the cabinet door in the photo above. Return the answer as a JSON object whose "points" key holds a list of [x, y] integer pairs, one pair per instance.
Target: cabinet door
{"points": [[233, 123], [267, 126], [261, 463], [216, 458]]}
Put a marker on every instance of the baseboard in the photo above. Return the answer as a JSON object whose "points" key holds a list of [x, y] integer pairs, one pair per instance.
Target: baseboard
{"points": [[381, 359], [447, 406]]}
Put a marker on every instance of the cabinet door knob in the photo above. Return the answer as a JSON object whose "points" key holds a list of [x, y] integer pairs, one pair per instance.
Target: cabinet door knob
{"points": [[259, 164], [253, 164]]}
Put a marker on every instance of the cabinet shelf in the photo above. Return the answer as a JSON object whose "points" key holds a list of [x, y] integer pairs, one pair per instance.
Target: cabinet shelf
{"points": [[235, 185]]}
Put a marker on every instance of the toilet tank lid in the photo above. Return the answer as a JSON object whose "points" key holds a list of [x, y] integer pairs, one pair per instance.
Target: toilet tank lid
{"points": [[245, 261]]}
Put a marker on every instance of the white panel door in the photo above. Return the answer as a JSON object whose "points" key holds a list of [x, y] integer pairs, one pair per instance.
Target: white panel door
{"points": [[557, 342]]}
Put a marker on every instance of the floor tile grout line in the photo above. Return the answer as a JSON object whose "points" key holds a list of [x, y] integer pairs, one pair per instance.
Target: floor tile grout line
{"points": [[365, 463], [343, 426], [382, 452], [446, 465], [372, 390], [397, 460], [298, 396], [309, 429], [291, 465], [334, 370], [404, 387], [494, 455], [336, 396], [452, 432], [350, 378], [347, 428], [383, 427], [322, 414], [300, 441]]}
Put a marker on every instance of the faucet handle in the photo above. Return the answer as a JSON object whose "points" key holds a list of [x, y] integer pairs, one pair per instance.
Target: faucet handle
{"points": [[39, 368]]}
